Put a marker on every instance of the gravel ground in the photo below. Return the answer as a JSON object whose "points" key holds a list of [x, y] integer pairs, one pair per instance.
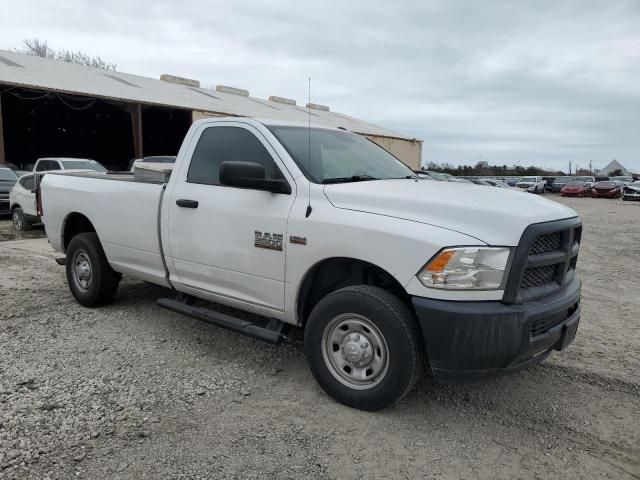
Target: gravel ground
{"points": [[134, 391]]}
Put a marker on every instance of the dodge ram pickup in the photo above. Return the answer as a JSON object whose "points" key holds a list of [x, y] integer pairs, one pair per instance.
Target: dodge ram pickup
{"points": [[322, 229]]}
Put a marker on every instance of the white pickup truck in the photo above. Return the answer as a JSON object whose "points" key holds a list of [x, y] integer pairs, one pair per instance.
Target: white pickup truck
{"points": [[322, 229], [532, 184]]}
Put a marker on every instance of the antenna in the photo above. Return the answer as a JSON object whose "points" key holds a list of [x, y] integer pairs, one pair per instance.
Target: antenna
{"points": [[309, 157]]}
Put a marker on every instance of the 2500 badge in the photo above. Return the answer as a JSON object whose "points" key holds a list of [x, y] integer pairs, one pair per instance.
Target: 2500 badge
{"points": [[270, 241]]}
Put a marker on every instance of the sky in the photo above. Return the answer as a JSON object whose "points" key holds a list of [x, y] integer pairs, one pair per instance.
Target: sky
{"points": [[518, 83]]}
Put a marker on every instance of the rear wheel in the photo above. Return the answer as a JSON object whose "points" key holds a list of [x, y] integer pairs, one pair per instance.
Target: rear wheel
{"points": [[20, 221], [90, 277], [363, 347]]}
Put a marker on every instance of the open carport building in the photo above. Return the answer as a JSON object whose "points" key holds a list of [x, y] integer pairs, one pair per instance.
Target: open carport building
{"points": [[50, 108]]}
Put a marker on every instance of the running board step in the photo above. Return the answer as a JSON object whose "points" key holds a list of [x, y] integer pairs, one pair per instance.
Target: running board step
{"points": [[271, 333]]}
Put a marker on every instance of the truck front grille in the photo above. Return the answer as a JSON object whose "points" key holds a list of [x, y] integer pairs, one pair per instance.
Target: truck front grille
{"points": [[545, 243], [544, 261], [534, 277]]}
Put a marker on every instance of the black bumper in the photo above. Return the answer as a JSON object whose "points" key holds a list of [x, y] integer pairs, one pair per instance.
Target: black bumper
{"points": [[470, 341], [4, 207]]}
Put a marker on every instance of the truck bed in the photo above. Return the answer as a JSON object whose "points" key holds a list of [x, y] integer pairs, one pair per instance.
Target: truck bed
{"points": [[125, 214]]}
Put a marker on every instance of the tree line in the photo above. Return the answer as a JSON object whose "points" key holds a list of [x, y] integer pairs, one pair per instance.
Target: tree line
{"points": [[492, 170]]}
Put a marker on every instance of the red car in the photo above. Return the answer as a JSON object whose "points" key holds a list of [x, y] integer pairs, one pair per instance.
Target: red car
{"points": [[606, 190], [575, 189]]}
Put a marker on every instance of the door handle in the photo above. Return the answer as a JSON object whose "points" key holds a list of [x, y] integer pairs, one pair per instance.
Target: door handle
{"points": [[187, 203]]}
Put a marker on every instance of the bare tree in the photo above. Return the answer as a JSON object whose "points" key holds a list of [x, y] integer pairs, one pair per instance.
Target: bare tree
{"points": [[40, 48]]}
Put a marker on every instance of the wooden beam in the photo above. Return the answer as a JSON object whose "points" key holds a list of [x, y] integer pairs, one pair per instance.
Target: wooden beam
{"points": [[136, 130], [2, 156]]}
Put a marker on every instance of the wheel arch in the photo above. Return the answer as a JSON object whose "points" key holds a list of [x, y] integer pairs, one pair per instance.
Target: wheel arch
{"points": [[73, 224], [334, 273]]}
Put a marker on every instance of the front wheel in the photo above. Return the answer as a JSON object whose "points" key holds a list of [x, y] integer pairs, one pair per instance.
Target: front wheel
{"points": [[363, 347], [91, 279]]}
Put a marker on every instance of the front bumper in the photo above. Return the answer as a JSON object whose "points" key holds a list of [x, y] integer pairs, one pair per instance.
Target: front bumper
{"points": [[608, 194], [471, 341], [630, 195]]}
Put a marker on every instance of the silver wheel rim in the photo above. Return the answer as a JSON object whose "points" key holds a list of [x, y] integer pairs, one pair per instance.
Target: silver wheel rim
{"points": [[355, 351], [17, 220], [81, 268]]}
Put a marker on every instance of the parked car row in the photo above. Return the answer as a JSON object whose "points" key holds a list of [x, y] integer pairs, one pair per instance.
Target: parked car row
{"points": [[445, 177], [567, 186], [605, 189]]}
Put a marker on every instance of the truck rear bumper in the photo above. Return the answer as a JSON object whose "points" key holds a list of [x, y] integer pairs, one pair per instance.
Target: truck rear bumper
{"points": [[471, 341]]}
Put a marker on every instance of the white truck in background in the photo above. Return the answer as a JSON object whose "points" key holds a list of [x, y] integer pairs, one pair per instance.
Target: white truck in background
{"points": [[321, 229], [532, 184]]}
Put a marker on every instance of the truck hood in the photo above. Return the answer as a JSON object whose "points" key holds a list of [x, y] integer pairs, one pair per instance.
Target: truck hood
{"points": [[496, 216]]}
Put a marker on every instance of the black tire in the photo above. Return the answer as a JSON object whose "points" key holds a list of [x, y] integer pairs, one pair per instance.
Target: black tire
{"points": [[401, 337], [101, 284], [19, 219]]}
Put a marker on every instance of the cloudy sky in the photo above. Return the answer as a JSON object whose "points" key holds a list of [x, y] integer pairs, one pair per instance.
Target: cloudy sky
{"points": [[540, 82]]}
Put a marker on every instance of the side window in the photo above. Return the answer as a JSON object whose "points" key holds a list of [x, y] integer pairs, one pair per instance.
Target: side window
{"points": [[227, 144], [27, 182], [41, 166]]}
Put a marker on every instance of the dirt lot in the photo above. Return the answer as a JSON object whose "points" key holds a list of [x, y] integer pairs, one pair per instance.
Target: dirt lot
{"points": [[134, 391]]}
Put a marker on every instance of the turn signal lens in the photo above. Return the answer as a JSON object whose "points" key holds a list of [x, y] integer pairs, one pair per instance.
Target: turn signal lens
{"points": [[466, 268], [439, 263]]}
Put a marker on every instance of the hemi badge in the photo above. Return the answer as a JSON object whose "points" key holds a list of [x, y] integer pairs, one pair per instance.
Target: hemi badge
{"points": [[297, 240]]}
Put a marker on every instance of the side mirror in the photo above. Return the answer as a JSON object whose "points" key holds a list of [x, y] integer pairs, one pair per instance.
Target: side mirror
{"points": [[250, 175]]}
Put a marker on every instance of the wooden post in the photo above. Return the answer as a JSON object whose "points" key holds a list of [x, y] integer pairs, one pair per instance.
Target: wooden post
{"points": [[136, 128], [2, 157]]}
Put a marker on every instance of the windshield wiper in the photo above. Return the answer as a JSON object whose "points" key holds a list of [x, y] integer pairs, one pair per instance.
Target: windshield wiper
{"points": [[352, 178]]}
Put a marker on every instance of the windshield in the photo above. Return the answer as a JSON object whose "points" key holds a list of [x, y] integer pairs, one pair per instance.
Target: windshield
{"points": [[7, 174], [575, 184], [338, 156], [529, 180], [83, 165], [562, 179]]}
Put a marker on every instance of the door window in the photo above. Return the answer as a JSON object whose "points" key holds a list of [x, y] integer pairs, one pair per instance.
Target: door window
{"points": [[227, 144]]}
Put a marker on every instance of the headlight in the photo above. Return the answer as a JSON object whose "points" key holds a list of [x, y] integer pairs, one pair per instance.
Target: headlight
{"points": [[466, 268]]}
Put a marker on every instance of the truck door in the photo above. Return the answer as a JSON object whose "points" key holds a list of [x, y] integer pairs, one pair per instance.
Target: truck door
{"points": [[225, 243]]}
